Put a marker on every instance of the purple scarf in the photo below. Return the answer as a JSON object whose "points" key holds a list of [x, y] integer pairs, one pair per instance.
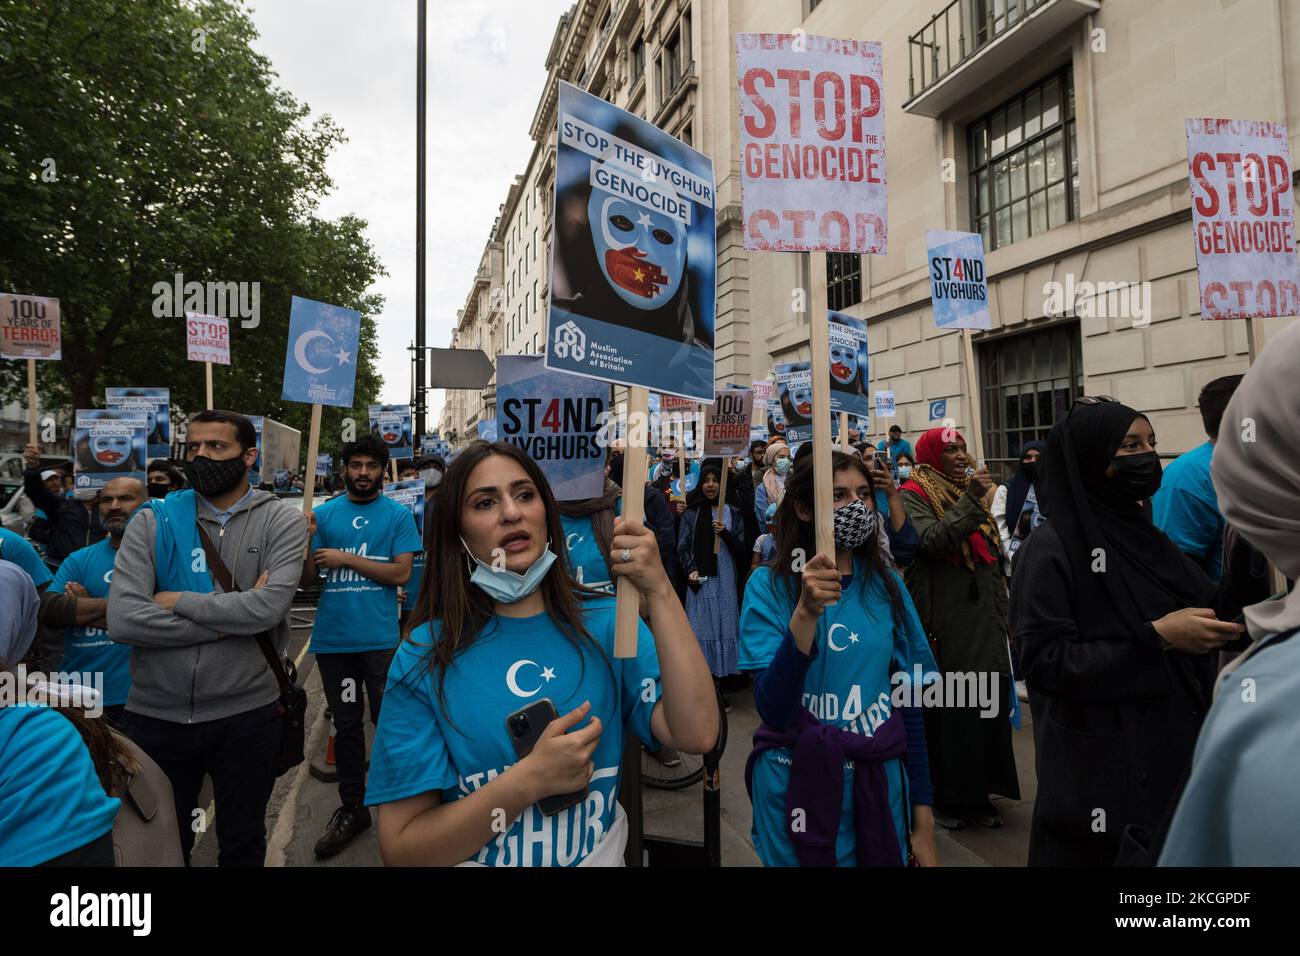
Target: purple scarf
{"points": [[817, 787]]}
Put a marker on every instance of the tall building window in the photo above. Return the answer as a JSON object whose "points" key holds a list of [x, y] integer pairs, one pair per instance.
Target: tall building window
{"points": [[1024, 162], [843, 280], [638, 59], [1028, 382], [676, 57]]}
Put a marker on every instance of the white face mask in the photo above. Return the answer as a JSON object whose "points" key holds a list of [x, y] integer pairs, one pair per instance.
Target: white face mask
{"points": [[432, 477]]}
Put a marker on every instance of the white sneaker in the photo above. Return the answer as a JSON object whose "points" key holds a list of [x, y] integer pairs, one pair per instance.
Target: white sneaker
{"points": [[1021, 690]]}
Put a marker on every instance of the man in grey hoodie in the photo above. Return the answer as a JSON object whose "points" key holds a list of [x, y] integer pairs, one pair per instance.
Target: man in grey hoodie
{"points": [[203, 699]]}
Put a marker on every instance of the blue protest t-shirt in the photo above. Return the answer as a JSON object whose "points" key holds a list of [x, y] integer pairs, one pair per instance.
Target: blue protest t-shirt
{"points": [[51, 801], [420, 747], [15, 548], [847, 686], [586, 562], [355, 613], [1186, 508], [89, 649]]}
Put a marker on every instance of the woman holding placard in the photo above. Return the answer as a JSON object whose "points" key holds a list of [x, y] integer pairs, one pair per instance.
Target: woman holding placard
{"points": [[713, 576], [501, 738], [839, 774]]}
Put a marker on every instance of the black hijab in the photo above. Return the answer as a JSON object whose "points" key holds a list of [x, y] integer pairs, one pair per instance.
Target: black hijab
{"points": [[1018, 490], [705, 511], [1145, 576]]}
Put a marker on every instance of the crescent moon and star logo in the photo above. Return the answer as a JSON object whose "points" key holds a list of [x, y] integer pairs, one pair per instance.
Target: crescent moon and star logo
{"points": [[364, 521], [830, 638], [568, 541], [108, 576], [546, 674], [300, 352]]}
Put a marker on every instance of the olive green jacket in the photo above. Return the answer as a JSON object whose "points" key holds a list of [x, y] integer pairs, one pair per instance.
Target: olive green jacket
{"points": [[967, 626]]}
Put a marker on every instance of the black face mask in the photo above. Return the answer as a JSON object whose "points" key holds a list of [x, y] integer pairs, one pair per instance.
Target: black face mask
{"points": [[209, 477], [1030, 469], [1137, 477], [158, 489]]}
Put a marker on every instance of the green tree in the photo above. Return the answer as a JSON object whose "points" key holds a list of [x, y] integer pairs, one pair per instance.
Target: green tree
{"points": [[173, 151]]}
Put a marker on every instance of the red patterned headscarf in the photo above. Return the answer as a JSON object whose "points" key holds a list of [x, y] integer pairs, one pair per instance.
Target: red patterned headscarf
{"points": [[941, 492]]}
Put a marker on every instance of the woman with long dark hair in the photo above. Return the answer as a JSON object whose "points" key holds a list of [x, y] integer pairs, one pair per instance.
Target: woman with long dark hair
{"points": [[713, 579], [1116, 633], [827, 637], [501, 626]]}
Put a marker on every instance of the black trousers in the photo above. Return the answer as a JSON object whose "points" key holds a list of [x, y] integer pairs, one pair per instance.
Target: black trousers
{"points": [[344, 676], [239, 753]]}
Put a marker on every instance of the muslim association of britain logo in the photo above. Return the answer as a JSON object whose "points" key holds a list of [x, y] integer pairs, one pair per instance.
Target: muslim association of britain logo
{"points": [[570, 341]]}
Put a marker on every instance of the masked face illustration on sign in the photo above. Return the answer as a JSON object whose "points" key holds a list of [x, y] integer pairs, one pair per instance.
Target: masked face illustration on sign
{"points": [[776, 419], [110, 450], [641, 253], [844, 363], [801, 399]]}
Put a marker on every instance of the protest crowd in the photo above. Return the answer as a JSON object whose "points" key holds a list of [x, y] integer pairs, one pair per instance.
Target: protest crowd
{"points": [[936, 568]]}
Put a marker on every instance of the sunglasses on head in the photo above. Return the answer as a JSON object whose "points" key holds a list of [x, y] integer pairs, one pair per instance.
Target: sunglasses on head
{"points": [[1091, 400]]}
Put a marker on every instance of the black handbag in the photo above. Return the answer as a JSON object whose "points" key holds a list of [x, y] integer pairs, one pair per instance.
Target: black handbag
{"points": [[293, 699]]}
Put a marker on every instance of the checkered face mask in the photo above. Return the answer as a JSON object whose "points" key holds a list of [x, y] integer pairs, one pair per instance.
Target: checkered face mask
{"points": [[854, 524]]}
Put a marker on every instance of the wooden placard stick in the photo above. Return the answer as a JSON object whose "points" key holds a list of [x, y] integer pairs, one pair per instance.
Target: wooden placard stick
{"points": [[820, 360], [313, 445], [627, 598]]}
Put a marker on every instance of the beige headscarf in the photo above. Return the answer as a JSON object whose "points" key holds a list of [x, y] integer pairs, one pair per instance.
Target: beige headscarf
{"points": [[1256, 471], [774, 483]]}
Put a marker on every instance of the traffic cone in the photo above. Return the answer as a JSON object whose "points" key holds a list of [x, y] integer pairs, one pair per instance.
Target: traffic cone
{"points": [[329, 750]]}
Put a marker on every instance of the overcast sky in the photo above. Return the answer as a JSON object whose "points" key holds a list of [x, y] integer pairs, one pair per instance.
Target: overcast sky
{"points": [[355, 59]]}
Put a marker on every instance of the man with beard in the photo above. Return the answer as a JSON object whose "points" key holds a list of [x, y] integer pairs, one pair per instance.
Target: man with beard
{"points": [[366, 542], [203, 697], [85, 576], [72, 523]]}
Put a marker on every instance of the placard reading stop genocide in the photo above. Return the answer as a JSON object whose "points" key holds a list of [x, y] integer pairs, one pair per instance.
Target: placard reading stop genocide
{"points": [[207, 338], [812, 143], [29, 327], [726, 423], [1243, 218]]}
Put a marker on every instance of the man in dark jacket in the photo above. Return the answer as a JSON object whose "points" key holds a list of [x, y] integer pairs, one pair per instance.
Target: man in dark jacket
{"points": [[73, 523], [658, 519]]}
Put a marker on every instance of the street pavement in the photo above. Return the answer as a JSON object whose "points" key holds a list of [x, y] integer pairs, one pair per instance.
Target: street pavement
{"points": [[301, 805]]}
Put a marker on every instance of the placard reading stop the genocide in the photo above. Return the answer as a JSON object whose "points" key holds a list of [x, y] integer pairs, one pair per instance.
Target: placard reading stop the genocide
{"points": [[29, 327], [1243, 218], [812, 143], [727, 421], [207, 338]]}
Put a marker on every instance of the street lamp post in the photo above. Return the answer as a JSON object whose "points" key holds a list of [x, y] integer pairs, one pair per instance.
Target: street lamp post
{"points": [[420, 70]]}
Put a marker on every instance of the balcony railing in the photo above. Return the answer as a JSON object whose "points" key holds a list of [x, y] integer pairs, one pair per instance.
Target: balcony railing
{"points": [[956, 33]]}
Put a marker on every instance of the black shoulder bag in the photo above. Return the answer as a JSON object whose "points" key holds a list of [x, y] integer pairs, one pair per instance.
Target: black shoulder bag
{"points": [[293, 699]]}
